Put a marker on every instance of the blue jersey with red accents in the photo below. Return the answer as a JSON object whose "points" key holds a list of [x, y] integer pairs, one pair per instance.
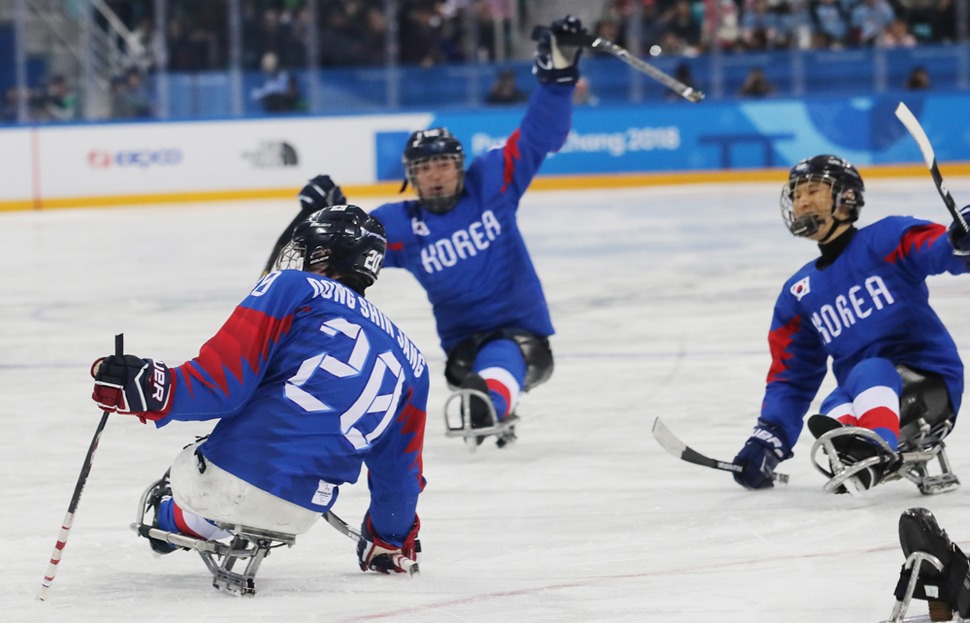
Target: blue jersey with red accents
{"points": [[872, 301], [472, 260], [309, 380]]}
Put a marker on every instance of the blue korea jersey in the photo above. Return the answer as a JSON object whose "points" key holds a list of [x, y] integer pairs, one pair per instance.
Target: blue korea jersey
{"points": [[472, 260], [872, 301], [309, 381]]}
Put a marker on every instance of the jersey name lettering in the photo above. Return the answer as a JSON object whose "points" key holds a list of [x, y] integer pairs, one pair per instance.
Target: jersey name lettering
{"points": [[858, 304], [462, 244]]}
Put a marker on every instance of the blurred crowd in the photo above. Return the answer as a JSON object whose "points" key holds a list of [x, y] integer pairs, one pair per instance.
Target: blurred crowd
{"points": [[54, 100], [691, 27], [429, 32], [351, 33], [348, 32]]}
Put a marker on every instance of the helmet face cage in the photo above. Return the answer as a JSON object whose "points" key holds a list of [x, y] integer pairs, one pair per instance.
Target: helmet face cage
{"points": [[434, 147], [341, 241], [847, 192]]}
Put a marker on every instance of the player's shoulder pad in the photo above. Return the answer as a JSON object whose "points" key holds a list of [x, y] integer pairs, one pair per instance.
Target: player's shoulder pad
{"points": [[887, 231], [391, 213]]}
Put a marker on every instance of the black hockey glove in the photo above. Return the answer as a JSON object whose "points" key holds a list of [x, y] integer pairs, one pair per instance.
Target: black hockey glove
{"points": [[760, 455], [376, 554], [554, 60], [959, 238], [319, 193], [132, 385]]}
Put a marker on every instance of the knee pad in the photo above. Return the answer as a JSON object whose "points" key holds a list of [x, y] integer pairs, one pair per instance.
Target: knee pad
{"points": [[872, 372], [924, 399], [538, 358], [535, 350]]}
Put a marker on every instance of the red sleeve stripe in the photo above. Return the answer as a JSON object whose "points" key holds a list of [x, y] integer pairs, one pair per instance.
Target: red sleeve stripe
{"points": [[412, 423], [511, 153], [778, 342], [246, 337], [914, 239]]}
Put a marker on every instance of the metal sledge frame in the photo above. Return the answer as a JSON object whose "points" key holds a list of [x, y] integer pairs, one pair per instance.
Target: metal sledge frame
{"points": [[915, 562], [458, 426], [926, 446], [247, 544]]}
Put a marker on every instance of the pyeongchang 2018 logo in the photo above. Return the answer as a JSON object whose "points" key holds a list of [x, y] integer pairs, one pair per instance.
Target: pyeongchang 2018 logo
{"points": [[134, 158]]}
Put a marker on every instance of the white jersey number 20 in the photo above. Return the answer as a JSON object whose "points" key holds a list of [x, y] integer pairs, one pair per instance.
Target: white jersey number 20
{"points": [[368, 401]]}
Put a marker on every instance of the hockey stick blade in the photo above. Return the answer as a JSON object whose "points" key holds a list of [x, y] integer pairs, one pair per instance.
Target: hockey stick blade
{"points": [[344, 528], [605, 45], [82, 479], [908, 119], [669, 442]]}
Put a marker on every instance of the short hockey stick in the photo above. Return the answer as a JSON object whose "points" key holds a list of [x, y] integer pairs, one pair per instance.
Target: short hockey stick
{"points": [[82, 478], [682, 451], [345, 529], [605, 45], [909, 120], [342, 526]]}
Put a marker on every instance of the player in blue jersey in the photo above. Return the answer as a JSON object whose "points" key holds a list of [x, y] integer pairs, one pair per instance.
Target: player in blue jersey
{"points": [[460, 238], [308, 381], [863, 304]]}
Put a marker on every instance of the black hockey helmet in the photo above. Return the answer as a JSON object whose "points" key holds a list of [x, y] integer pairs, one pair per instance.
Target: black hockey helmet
{"points": [[424, 145], [847, 191], [340, 241]]}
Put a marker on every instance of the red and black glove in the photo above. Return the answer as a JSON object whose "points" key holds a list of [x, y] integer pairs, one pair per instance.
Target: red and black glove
{"points": [[132, 385], [376, 554]]}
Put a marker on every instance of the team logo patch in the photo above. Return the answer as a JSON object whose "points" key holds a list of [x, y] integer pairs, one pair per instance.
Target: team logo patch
{"points": [[324, 493], [419, 228], [800, 288]]}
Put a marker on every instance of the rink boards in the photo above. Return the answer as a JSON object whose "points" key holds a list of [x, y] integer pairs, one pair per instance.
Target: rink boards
{"points": [[57, 166]]}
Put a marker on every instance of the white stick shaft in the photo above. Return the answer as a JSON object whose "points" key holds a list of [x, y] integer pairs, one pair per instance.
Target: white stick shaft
{"points": [[906, 116], [908, 119], [56, 556]]}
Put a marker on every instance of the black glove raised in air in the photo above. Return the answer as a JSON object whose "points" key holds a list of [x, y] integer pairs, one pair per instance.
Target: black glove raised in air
{"points": [[555, 61]]}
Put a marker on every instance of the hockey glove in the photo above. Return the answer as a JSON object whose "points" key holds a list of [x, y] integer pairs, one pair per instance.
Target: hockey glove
{"points": [[555, 61], [321, 192], [132, 385], [760, 455], [376, 554], [959, 238]]}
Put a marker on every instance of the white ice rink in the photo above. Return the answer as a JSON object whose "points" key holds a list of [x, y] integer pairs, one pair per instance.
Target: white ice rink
{"points": [[661, 299]]}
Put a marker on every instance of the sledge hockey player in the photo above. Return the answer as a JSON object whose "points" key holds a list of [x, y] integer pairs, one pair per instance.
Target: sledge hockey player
{"points": [[308, 380], [864, 304], [936, 570], [320, 192], [461, 240]]}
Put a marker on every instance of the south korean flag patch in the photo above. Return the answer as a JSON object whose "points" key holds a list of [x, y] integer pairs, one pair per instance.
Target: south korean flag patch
{"points": [[800, 288]]}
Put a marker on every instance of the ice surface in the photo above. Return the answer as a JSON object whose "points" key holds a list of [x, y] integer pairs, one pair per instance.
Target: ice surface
{"points": [[661, 298]]}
